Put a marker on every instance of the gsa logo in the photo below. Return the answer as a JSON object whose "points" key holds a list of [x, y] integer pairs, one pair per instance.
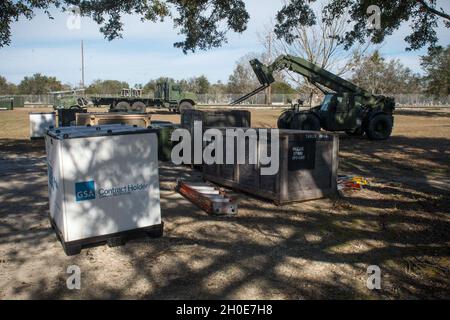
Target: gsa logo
{"points": [[85, 190]]}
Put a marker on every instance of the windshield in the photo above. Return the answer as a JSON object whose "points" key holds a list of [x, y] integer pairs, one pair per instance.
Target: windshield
{"points": [[326, 102]]}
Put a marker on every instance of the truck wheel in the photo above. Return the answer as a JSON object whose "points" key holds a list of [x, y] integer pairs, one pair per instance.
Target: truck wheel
{"points": [[285, 119], [138, 106], [379, 127], [305, 121], [122, 106], [185, 105]]}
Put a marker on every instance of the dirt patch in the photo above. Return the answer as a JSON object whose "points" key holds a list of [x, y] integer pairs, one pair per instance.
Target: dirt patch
{"points": [[315, 249]]}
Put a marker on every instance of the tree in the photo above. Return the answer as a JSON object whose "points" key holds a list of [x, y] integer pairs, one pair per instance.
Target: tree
{"points": [[369, 72], [6, 87], [106, 87], [423, 14], [198, 85], [218, 88], [436, 65], [39, 84], [243, 79], [187, 85], [282, 88], [398, 79], [150, 87], [205, 23], [317, 44], [377, 76], [202, 84]]}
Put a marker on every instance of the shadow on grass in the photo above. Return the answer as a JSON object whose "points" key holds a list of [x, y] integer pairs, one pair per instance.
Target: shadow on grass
{"points": [[423, 113], [294, 251], [21, 147]]}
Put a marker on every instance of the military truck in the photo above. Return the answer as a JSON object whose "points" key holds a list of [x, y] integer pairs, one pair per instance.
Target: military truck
{"points": [[167, 94], [67, 104], [346, 107]]}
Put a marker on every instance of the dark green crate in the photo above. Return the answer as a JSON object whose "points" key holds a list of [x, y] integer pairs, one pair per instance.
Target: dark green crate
{"points": [[67, 117], [11, 102], [165, 145], [213, 118], [7, 103]]}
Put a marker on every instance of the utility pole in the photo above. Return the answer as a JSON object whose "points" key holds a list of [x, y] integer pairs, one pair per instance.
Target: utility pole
{"points": [[82, 65], [269, 58]]}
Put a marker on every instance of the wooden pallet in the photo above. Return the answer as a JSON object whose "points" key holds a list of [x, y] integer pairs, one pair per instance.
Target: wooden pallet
{"points": [[112, 240]]}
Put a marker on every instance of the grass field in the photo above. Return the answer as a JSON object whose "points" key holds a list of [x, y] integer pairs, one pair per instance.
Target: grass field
{"points": [[315, 249]]}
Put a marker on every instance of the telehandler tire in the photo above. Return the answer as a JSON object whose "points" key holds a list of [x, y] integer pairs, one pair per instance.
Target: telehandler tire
{"points": [[285, 119], [379, 127], [305, 121]]}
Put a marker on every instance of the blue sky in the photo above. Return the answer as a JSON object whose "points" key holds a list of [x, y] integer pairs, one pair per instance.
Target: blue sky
{"points": [[146, 50]]}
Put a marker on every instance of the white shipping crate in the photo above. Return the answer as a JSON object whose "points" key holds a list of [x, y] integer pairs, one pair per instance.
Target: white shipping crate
{"points": [[103, 181], [40, 122]]}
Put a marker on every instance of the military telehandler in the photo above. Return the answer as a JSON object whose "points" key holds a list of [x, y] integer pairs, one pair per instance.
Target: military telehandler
{"points": [[346, 107]]}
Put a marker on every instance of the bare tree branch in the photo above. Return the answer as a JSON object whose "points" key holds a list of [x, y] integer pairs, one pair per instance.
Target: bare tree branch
{"points": [[441, 14]]}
